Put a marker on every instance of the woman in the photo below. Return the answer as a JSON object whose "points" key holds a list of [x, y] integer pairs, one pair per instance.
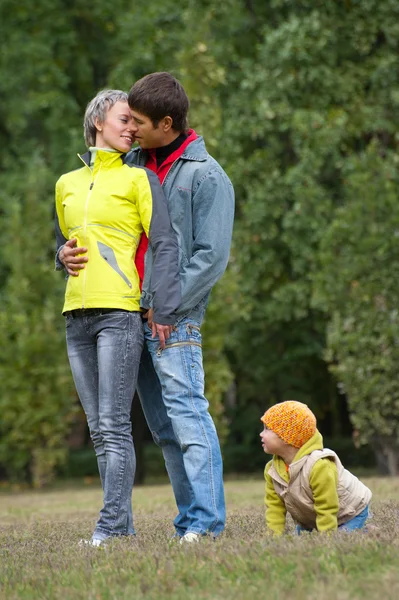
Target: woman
{"points": [[101, 211]]}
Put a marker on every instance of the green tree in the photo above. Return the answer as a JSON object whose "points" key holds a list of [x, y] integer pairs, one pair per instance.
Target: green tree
{"points": [[358, 285], [308, 86], [37, 401], [54, 57], [296, 100], [162, 38]]}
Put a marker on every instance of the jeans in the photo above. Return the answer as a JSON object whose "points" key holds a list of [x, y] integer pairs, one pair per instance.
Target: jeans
{"points": [[357, 522], [171, 390], [104, 348]]}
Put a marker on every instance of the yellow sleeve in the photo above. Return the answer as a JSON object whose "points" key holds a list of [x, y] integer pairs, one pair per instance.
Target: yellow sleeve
{"points": [[275, 507], [60, 209], [324, 482]]}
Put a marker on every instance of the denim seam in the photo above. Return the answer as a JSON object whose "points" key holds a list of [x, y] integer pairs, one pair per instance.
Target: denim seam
{"points": [[128, 341], [210, 470]]}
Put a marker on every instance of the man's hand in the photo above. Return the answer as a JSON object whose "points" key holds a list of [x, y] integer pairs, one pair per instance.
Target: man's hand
{"points": [[163, 331], [148, 316], [73, 258]]}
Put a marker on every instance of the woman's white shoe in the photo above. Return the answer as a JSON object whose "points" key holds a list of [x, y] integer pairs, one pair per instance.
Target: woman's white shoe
{"points": [[190, 537]]}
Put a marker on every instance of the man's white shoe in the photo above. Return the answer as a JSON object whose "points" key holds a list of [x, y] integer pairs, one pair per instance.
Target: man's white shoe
{"points": [[190, 537]]}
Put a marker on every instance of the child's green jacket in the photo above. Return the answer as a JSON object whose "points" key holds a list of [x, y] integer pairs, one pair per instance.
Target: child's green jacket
{"points": [[315, 489]]}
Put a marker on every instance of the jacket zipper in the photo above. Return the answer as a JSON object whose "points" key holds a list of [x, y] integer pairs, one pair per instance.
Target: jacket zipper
{"points": [[175, 344], [93, 180]]}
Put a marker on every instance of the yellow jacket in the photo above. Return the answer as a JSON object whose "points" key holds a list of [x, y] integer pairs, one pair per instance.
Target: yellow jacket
{"points": [[316, 489], [106, 207]]}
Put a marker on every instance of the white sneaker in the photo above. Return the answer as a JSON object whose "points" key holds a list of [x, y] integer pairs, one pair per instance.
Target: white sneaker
{"points": [[190, 537], [93, 542]]}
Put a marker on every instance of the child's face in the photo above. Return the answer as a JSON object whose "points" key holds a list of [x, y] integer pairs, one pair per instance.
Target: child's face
{"points": [[271, 442]]}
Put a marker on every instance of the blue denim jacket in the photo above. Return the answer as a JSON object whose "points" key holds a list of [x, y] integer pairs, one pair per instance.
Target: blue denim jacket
{"points": [[200, 200]]}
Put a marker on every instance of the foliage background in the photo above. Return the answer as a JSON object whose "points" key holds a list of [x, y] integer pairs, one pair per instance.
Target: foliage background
{"points": [[299, 102]]}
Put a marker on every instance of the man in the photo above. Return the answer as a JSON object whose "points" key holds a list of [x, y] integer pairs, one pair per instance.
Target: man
{"points": [[171, 380]]}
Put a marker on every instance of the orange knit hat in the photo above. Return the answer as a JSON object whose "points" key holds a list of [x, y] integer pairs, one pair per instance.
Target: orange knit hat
{"points": [[292, 421]]}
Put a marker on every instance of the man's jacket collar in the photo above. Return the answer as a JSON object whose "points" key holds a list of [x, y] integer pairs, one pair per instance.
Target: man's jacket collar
{"points": [[195, 150]]}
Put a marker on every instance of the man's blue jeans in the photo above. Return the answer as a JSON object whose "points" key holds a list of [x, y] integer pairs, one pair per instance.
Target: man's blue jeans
{"points": [[171, 390], [104, 348]]}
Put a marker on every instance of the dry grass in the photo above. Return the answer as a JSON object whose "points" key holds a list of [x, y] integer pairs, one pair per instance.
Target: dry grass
{"points": [[40, 557]]}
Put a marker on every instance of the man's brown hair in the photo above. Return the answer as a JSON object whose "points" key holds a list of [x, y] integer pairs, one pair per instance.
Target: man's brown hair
{"points": [[159, 95]]}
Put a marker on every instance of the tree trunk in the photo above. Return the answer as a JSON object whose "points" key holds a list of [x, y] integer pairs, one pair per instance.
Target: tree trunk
{"points": [[387, 454]]}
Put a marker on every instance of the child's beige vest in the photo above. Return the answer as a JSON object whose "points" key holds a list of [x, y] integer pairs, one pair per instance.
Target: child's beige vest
{"points": [[297, 494]]}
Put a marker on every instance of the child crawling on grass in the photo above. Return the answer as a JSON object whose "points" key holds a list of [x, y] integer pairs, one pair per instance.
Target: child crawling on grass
{"points": [[305, 479]]}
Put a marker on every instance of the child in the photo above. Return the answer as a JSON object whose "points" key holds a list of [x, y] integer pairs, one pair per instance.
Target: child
{"points": [[305, 479]]}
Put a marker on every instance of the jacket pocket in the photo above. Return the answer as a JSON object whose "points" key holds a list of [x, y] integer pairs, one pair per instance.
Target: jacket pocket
{"points": [[109, 256]]}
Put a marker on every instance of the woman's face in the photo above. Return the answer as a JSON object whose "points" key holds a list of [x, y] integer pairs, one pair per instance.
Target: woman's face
{"points": [[116, 130]]}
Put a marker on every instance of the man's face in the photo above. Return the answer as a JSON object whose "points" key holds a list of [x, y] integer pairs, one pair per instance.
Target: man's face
{"points": [[145, 133]]}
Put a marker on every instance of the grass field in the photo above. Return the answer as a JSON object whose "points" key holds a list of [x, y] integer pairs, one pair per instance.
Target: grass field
{"points": [[40, 557]]}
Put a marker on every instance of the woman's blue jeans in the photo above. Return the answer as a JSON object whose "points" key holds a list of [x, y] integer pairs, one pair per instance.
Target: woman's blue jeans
{"points": [[104, 349], [171, 390]]}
